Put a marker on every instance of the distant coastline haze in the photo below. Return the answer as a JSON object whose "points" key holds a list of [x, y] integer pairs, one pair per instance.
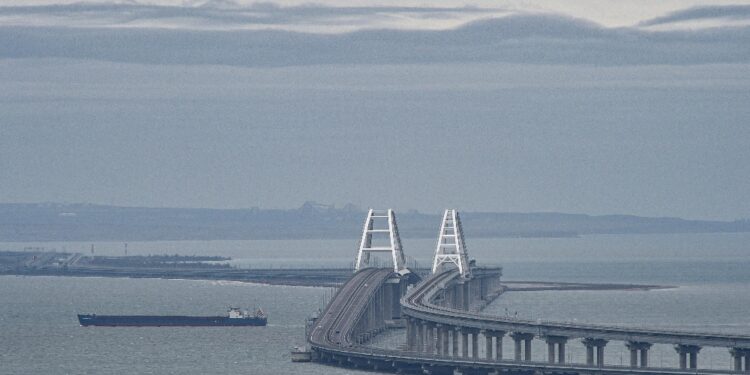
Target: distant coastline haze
{"points": [[601, 107], [87, 222]]}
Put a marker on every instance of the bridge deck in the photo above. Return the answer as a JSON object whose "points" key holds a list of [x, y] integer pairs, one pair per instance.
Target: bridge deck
{"points": [[418, 304], [331, 336]]}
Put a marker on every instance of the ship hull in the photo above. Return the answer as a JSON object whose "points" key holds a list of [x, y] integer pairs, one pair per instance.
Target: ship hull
{"points": [[167, 321]]}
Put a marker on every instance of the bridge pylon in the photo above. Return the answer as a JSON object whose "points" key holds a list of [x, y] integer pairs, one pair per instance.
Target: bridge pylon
{"points": [[451, 248], [381, 224]]}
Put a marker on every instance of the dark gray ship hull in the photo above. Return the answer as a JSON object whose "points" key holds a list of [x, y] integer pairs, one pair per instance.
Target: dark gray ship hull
{"points": [[167, 321]]}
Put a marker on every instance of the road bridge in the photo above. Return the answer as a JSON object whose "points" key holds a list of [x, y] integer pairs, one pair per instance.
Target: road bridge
{"points": [[444, 323], [425, 305]]}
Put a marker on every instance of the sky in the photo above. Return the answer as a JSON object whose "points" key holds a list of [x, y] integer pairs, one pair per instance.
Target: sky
{"points": [[598, 107]]}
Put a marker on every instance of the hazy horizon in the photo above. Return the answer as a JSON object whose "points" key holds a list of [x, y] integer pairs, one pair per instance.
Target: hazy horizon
{"points": [[544, 106], [430, 211]]}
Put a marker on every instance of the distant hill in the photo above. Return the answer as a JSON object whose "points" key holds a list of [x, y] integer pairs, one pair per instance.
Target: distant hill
{"points": [[89, 222]]}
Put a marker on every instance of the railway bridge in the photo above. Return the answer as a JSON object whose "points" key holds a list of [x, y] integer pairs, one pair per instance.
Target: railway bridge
{"points": [[447, 333]]}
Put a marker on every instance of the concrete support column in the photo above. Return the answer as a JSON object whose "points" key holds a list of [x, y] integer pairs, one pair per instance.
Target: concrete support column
{"points": [[550, 352], [370, 316], [688, 352], [458, 296], [398, 292], [407, 329], [560, 342], [561, 352], [499, 345], [737, 359], [455, 334], [635, 347], [429, 338], [683, 360], [381, 308], [387, 300], [694, 360], [467, 296], [420, 336], [439, 341], [522, 339], [409, 334], [445, 341], [483, 288], [432, 334], [464, 343], [517, 351], [527, 350], [590, 355], [737, 355], [475, 344], [633, 357], [487, 344], [592, 345]]}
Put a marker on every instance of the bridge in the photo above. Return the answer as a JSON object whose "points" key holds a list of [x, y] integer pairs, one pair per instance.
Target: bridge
{"points": [[443, 321]]}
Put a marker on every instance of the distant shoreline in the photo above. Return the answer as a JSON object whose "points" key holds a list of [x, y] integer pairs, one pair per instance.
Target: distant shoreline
{"points": [[205, 268], [55, 222], [537, 286], [284, 280]]}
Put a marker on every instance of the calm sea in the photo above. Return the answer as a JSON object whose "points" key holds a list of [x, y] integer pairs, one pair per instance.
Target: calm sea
{"points": [[39, 333]]}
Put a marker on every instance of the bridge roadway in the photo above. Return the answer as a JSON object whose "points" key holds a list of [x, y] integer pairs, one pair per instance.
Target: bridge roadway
{"points": [[333, 328], [332, 341], [417, 303]]}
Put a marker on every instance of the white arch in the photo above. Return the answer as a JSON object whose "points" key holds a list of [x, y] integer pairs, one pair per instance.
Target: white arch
{"points": [[391, 230], [451, 248]]}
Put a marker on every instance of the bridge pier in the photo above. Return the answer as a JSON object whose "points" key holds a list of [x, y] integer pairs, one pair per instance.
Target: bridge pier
{"points": [[466, 300], [474, 343], [591, 345], [410, 334], [499, 345], [522, 339], [380, 309], [688, 355], [419, 344], [442, 333], [459, 296], [483, 289], [635, 347], [487, 344], [464, 332], [737, 355], [446, 341], [439, 339], [455, 297], [431, 338], [388, 292], [456, 333], [686, 351], [558, 341]]}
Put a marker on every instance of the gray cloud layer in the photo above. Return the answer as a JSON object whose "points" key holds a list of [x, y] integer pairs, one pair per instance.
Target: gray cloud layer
{"points": [[733, 12], [225, 14], [519, 39], [649, 140]]}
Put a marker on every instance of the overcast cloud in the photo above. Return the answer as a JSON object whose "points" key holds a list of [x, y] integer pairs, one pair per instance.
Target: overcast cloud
{"points": [[531, 38], [498, 106]]}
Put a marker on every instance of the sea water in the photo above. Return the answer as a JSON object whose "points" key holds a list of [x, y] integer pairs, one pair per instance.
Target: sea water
{"points": [[708, 276]]}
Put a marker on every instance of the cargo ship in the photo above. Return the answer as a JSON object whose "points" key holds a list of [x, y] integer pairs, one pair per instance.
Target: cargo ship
{"points": [[235, 317]]}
